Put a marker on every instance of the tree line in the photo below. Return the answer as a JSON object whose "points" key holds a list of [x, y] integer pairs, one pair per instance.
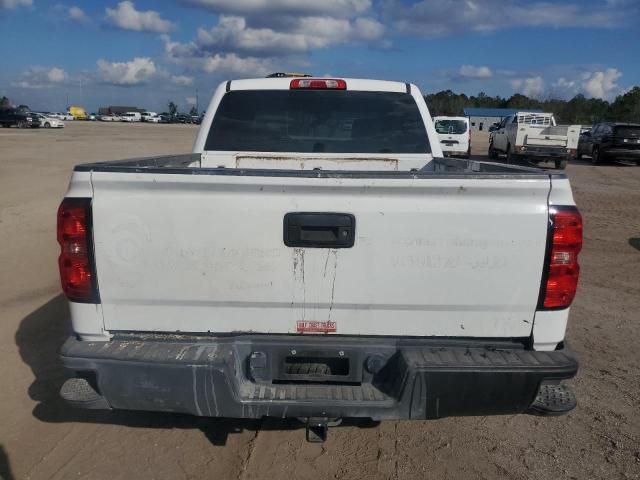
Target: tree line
{"points": [[578, 110]]}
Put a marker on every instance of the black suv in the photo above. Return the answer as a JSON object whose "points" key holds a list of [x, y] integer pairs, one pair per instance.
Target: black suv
{"points": [[19, 118], [611, 141]]}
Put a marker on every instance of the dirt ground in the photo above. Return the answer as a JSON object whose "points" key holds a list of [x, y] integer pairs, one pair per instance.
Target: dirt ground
{"points": [[41, 438]]}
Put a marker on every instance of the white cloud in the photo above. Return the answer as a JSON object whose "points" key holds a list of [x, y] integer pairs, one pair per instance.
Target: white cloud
{"points": [[531, 87], [38, 77], [135, 72], [368, 28], [76, 14], [181, 80], [126, 17], [191, 100], [470, 71], [56, 75], [337, 8], [601, 84], [232, 63], [592, 83], [232, 34], [429, 18], [11, 4]]}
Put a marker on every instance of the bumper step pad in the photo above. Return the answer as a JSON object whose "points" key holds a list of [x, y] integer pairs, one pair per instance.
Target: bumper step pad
{"points": [[553, 400], [79, 393]]}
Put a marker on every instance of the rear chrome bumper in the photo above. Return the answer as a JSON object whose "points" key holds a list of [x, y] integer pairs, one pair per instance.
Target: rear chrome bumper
{"points": [[247, 376]]}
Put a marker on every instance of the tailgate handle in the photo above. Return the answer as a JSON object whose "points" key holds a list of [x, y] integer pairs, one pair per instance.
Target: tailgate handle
{"points": [[319, 230]]}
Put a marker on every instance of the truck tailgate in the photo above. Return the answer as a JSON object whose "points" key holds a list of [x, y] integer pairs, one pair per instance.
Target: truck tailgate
{"points": [[431, 256]]}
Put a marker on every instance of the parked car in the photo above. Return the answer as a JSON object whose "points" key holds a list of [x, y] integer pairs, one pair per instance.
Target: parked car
{"points": [[611, 141], [150, 117], [92, 117], [164, 118], [131, 117], [316, 258], [534, 137], [10, 117], [182, 118], [60, 116], [454, 135], [48, 122], [110, 117]]}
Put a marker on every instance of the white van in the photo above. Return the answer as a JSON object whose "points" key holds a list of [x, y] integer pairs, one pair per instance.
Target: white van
{"points": [[454, 135], [131, 117], [151, 117]]}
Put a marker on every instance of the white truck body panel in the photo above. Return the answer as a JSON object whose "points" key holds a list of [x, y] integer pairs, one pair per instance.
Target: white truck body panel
{"points": [[199, 253]]}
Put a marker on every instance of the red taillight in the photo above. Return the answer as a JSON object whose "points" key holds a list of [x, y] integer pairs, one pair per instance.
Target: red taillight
{"points": [[77, 273], [563, 269], [318, 83]]}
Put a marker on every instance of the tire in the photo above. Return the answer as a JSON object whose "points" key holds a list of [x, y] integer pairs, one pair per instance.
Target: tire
{"points": [[561, 164], [579, 155], [510, 156], [595, 156], [22, 124], [493, 154], [47, 125], [6, 125]]}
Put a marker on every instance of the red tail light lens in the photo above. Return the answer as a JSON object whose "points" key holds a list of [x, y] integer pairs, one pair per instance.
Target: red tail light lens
{"points": [[77, 271], [318, 84], [563, 269]]}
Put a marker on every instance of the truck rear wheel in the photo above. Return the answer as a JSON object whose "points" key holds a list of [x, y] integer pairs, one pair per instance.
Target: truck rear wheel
{"points": [[595, 156]]}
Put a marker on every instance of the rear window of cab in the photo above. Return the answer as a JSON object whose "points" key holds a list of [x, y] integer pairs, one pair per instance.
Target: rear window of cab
{"points": [[321, 121]]}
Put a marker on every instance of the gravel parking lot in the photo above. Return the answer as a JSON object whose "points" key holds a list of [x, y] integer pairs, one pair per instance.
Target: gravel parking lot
{"points": [[41, 438]]}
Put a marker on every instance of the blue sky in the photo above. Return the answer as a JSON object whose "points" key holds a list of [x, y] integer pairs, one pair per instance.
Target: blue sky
{"points": [[144, 53]]}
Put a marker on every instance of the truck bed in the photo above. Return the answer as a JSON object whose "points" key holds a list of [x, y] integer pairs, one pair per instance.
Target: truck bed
{"points": [[191, 163]]}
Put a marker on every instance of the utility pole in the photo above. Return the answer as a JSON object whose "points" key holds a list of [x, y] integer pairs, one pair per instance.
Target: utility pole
{"points": [[197, 109]]}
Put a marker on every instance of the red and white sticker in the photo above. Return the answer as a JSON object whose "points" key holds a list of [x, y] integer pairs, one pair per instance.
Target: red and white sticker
{"points": [[316, 326]]}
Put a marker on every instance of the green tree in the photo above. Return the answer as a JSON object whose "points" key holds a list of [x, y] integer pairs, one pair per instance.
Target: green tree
{"points": [[173, 109], [626, 108], [579, 110], [193, 112], [4, 103]]}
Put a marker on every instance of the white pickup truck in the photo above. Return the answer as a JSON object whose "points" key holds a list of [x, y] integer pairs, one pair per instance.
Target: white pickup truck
{"points": [[315, 258], [534, 137]]}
